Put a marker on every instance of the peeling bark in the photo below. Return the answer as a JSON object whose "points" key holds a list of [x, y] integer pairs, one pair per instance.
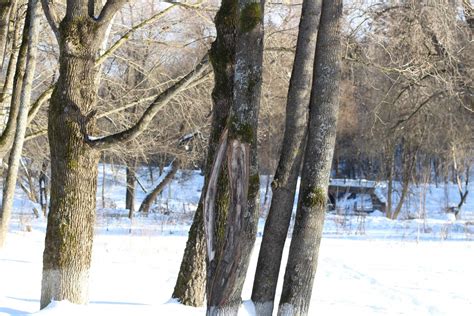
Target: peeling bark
{"points": [[231, 228]]}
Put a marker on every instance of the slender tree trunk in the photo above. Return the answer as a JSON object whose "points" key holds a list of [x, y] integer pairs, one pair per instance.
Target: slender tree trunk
{"points": [[6, 9], [150, 198], [130, 191], [324, 104], [30, 36], [8, 135], [390, 167], [43, 187], [231, 233], [286, 176], [408, 166], [74, 163], [15, 37]]}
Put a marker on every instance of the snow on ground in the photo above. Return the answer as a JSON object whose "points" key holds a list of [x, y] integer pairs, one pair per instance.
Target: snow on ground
{"points": [[369, 265]]}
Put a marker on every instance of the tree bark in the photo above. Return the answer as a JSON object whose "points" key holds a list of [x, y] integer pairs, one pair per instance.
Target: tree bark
{"points": [[31, 37], [69, 234], [286, 176], [231, 215], [148, 201], [324, 104], [191, 282]]}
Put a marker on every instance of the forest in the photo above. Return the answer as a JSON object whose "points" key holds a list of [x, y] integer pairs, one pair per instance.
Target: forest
{"points": [[236, 157]]}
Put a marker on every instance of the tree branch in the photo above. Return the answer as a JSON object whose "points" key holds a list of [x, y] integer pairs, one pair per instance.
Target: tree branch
{"points": [[420, 106], [127, 35], [161, 100], [109, 10], [34, 108], [51, 16]]}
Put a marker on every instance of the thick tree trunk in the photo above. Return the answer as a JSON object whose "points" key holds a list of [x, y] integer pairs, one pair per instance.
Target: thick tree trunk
{"points": [[69, 234], [31, 36], [231, 215], [286, 176], [324, 104], [191, 282], [190, 287], [130, 191], [148, 201]]}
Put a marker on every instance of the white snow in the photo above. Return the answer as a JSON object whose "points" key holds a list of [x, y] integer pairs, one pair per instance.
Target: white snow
{"points": [[369, 265]]}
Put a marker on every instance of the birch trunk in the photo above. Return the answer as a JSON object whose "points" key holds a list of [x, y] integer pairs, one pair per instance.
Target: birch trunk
{"points": [[324, 104]]}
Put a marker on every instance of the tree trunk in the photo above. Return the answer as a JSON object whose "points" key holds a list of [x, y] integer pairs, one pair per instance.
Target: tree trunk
{"points": [[148, 201], [8, 135], [30, 36], [6, 9], [190, 285], [390, 171], [14, 32], [409, 163], [231, 216], [43, 187], [74, 163], [286, 176], [130, 191], [191, 282], [324, 104]]}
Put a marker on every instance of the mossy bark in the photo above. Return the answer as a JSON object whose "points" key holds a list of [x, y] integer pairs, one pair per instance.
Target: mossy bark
{"points": [[69, 233], [231, 207], [191, 283], [324, 105], [286, 176]]}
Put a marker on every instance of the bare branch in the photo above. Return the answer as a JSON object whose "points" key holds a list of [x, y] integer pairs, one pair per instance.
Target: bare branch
{"points": [[130, 32], [51, 16], [109, 10], [161, 100], [34, 108]]}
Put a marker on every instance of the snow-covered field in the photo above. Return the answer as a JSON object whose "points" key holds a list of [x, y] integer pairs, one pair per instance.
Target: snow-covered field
{"points": [[368, 265]]}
